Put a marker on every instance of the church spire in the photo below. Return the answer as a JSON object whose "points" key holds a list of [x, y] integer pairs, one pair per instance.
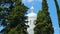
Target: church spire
{"points": [[32, 9]]}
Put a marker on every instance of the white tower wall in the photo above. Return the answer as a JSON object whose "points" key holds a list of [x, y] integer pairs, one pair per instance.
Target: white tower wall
{"points": [[31, 21]]}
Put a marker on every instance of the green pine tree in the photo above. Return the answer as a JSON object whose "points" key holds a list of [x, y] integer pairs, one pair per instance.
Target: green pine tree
{"points": [[43, 23], [58, 12], [14, 17]]}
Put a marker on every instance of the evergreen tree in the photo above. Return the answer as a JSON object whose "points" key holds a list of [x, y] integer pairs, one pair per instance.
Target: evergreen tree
{"points": [[43, 23], [14, 17], [58, 12]]}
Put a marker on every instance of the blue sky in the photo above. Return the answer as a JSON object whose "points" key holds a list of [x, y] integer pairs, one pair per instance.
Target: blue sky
{"points": [[52, 10]]}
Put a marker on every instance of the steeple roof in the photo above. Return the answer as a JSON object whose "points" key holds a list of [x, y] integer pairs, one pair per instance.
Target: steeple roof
{"points": [[32, 9], [32, 14]]}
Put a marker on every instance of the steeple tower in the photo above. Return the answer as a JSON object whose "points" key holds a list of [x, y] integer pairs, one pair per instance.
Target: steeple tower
{"points": [[31, 20], [32, 9]]}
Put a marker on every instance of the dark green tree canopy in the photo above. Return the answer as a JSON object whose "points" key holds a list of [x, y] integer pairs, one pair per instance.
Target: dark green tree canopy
{"points": [[13, 16], [44, 5], [43, 23]]}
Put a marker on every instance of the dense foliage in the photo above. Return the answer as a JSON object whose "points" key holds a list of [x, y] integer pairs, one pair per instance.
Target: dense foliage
{"points": [[59, 17], [13, 17], [43, 24]]}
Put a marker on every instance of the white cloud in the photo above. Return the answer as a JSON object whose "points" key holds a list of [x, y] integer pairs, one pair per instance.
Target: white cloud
{"points": [[40, 0], [31, 0], [28, 0]]}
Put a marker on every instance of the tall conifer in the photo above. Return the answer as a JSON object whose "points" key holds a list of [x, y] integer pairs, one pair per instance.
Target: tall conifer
{"points": [[13, 15], [43, 23]]}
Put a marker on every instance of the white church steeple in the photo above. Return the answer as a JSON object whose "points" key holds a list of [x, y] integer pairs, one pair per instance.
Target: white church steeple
{"points": [[31, 21], [32, 9]]}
